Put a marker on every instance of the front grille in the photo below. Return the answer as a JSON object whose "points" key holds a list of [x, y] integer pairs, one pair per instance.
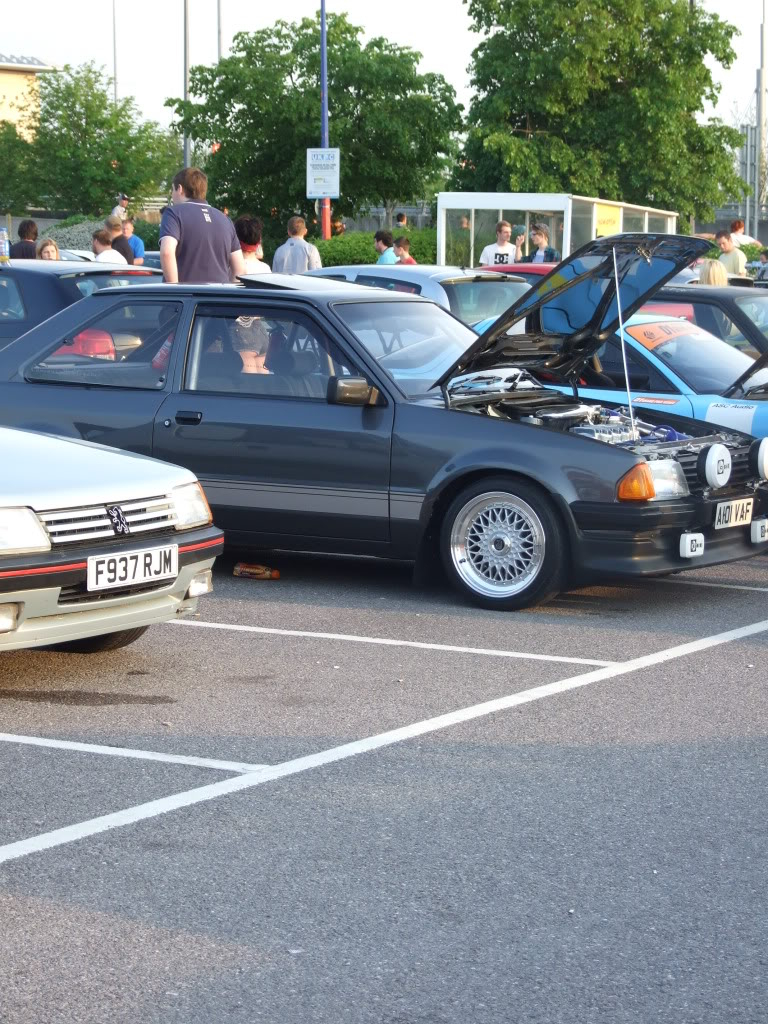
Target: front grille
{"points": [[78, 593], [76, 525], [740, 471]]}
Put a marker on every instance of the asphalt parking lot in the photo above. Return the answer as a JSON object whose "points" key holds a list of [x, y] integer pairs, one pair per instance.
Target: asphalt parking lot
{"points": [[336, 797]]}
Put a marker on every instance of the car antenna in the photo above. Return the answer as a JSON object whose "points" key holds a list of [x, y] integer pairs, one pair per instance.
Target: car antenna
{"points": [[623, 346]]}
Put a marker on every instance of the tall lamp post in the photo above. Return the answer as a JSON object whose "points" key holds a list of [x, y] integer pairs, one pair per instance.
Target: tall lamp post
{"points": [[325, 204], [186, 75], [114, 50]]}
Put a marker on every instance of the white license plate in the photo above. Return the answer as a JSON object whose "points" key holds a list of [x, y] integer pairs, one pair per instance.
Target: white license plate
{"points": [[733, 513], [129, 568]]}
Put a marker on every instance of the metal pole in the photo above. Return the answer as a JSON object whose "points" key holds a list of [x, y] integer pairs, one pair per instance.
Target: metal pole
{"points": [[218, 8], [748, 169], [186, 74], [325, 204], [761, 111], [114, 50]]}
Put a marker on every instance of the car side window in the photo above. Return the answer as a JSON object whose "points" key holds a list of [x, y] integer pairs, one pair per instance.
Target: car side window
{"points": [[717, 321], [262, 352], [642, 376], [11, 305], [128, 346]]}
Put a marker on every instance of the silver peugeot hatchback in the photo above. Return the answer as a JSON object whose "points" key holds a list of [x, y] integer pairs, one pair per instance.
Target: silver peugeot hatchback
{"points": [[96, 544]]}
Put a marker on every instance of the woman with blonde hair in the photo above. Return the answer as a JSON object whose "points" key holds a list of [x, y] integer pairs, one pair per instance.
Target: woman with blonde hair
{"points": [[47, 249], [712, 272]]}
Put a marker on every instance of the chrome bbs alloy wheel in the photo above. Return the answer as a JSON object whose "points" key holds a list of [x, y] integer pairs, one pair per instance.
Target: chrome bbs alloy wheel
{"points": [[497, 544]]}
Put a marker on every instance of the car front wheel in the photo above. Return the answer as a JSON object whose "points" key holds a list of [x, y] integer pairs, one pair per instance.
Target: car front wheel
{"points": [[501, 544], [99, 644]]}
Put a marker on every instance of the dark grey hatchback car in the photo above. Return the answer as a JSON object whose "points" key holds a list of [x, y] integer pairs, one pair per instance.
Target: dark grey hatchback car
{"points": [[321, 416]]}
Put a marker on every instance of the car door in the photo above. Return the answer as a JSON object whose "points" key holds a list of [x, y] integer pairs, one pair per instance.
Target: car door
{"points": [[100, 376], [277, 459]]}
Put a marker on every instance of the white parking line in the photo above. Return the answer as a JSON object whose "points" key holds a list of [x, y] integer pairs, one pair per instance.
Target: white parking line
{"points": [[142, 755], [387, 642], [716, 586], [142, 812]]}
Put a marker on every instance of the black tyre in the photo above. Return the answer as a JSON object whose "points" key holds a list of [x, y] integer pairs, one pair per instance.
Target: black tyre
{"points": [[501, 544], [104, 642]]}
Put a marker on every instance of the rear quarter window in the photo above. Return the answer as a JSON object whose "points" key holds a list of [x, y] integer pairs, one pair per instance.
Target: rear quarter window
{"points": [[11, 304]]}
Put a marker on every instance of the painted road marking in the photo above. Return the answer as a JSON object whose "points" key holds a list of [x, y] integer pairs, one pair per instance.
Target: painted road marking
{"points": [[142, 755], [387, 642], [142, 812], [717, 586]]}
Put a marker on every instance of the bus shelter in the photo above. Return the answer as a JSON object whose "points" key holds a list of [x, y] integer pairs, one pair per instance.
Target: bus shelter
{"points": [[466, 221]]}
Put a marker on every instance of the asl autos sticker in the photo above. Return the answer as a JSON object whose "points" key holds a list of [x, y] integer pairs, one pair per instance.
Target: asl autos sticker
{"points": [[738, 415]]}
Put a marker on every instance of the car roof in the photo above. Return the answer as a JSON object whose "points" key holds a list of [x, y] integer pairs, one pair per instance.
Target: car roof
{"points": [[414, 270], [513, 268], [285, 287], [68, 267], [717, 291]]}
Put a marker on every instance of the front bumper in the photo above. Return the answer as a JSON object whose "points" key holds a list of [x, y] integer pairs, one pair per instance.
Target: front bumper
{"points": [[644, 539], [54, 605]]}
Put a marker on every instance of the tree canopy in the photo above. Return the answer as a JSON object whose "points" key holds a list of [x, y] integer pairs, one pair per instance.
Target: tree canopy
{"points": [[600, 97], [77, 148], [261, 104]]}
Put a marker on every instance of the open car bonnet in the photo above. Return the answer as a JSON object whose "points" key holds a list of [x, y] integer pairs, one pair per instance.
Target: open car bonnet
{"points": [[572, 311]]}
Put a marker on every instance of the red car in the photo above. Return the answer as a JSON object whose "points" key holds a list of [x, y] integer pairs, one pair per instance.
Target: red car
{"points": [[530, 271]]}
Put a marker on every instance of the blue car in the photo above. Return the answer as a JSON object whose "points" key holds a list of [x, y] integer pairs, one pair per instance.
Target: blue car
{"points": [[675, 365]]}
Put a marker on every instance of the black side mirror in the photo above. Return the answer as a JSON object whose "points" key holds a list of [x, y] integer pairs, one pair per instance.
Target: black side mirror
{"points": [[351, 391]]}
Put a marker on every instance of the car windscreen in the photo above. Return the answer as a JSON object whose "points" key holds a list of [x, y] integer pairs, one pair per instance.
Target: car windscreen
{"points": [[703, 361], [472, 300], [415, 342]]}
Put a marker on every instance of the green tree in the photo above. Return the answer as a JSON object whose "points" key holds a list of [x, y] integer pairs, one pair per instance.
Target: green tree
{"points": [[600, 97], [87, 148], [16, 154], [261, 104]]}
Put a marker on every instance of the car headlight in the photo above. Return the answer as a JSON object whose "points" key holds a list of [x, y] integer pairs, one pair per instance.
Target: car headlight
{"points": [[191, 506], [668, 478], [21, 532]]}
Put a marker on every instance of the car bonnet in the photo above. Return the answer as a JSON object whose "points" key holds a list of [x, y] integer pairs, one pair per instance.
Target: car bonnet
{"points": [[572, 311]]}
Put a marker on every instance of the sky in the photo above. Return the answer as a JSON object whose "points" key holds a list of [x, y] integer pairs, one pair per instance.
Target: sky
{"points": [[76, 31]]}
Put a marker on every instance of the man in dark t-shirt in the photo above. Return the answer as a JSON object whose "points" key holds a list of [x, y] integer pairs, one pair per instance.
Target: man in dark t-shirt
{"points": [[120, 244], [25, 248], [198, 244]]}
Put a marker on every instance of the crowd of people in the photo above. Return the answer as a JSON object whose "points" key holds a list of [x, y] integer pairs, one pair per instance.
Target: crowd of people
{"points": [[200, 244]]}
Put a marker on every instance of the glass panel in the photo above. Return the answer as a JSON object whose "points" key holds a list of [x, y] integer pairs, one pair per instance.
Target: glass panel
{"points": [[700, 359], [414, 342], [554, 224], [519, 221], [657, 222], [458, 238], [389, 283], [126, 347], [251, 354], [581, 223], [634, 220], [11, 306], [485, 231], [472, 301]]}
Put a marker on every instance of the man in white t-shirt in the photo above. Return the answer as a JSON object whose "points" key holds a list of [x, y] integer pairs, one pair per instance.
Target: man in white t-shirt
{"points": [[102, 248], [502, 252]]}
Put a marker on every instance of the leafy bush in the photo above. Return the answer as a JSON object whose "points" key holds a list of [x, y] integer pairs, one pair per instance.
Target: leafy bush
{"points": [[76, 236], [357, 247], [70, 222], [148, 233]]}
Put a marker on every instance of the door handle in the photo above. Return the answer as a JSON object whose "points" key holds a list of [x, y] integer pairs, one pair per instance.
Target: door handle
{"points": [[189, 416]]}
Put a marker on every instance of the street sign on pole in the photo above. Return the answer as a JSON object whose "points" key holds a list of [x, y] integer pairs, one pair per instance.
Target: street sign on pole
{"points": [[323, 173]]}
